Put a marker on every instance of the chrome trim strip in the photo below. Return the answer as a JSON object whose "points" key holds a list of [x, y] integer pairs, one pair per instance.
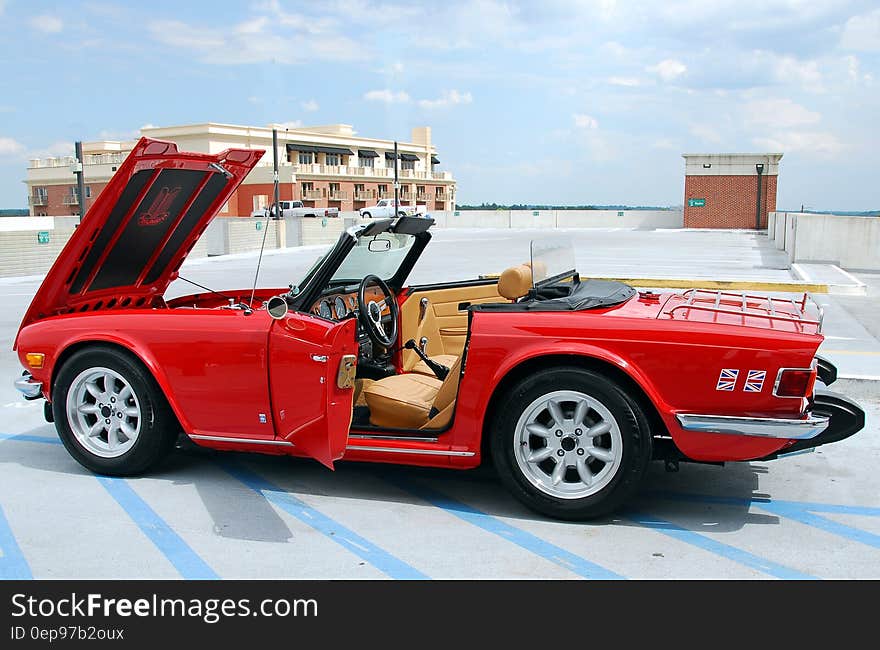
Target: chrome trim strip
{"points": [[399, 450], [780, 428], [28, 387], [367, 436], [247, 441], [779, 379]]}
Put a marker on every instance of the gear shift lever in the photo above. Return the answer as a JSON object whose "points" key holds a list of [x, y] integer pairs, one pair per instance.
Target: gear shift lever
{"points": [[437, 368]]}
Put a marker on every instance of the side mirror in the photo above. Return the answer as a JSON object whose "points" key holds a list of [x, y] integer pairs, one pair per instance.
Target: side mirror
{"points": [[277, 307], [379, 245]]}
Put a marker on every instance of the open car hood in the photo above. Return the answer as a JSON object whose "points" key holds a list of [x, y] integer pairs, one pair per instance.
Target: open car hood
{"points": [[132, 241]]}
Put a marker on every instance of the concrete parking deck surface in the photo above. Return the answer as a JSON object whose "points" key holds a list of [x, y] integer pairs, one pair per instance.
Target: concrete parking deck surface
{"points": [[212, 515]]}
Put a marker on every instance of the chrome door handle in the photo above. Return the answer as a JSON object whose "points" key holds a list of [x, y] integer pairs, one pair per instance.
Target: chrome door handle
{"points": [[320, 358]]}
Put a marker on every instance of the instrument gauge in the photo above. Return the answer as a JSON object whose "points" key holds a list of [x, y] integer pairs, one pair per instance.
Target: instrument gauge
{"points": [[324, 310], [339, 306]]}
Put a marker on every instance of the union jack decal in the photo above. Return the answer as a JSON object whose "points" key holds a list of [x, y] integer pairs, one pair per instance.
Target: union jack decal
{"points": [[755, 381], [727, 379]]}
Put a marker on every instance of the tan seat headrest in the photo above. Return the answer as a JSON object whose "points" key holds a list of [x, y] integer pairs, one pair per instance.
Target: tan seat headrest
{"points": [[515, 282]]}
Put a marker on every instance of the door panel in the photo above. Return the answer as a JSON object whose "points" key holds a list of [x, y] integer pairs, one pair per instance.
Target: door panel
{"points": [[310, 408], [442, 319]]}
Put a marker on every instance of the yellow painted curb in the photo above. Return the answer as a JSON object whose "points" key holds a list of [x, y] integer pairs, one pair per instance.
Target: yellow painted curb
{"points": [[741, 285]]}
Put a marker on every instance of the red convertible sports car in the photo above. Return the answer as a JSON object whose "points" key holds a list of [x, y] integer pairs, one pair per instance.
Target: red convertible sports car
{"points": [[570, 386]]}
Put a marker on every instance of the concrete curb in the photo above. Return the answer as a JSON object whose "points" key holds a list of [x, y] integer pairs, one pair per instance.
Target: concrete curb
{"points": [[742, 285]]}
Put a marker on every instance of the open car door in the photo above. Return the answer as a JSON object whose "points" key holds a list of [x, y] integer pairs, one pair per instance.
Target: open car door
{"points": [[312, 364]]}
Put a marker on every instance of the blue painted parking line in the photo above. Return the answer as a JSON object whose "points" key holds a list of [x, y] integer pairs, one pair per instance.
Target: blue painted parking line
{"points": [[717, 548], [13, 566], [521, 538], [177, 551], [25, 437], [348, 539], [800, 511]]}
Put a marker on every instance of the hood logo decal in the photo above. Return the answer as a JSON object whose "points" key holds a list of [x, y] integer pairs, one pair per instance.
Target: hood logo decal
{"points": [[160, 208]]}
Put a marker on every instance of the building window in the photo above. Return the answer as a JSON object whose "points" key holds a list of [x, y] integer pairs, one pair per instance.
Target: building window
{"points": [[260, 201], [88, 191], [332, 159], [366, 162], [306, 158], [407, 164]]}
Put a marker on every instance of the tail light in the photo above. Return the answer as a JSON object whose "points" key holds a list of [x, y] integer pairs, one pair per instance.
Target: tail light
{"points": [[795, 382]]}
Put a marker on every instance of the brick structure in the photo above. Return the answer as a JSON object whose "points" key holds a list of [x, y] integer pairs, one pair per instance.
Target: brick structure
{"points": [[324, 166], [721, 190]]}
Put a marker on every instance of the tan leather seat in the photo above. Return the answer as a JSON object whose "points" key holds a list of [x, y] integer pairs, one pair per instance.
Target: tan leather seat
{"points": [[515, 282], [413, 401], [447, 360]]}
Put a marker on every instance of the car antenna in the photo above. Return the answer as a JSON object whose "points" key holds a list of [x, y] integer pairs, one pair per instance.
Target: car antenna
{"points": [[276, 205]]}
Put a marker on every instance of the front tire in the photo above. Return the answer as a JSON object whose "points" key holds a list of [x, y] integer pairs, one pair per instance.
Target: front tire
{"points": [[570, 444], [110, 413], [366, 215]]}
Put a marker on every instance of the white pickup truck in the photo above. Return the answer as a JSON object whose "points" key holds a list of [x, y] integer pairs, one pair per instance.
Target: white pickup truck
{"points": [[296, 209], [385, 208]]}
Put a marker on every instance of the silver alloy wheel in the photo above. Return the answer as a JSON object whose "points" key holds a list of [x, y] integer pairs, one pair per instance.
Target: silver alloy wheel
{"points": [[568, 444], [103, 412]]}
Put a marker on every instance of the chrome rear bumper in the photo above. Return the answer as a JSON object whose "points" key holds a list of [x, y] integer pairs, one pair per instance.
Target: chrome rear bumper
{"points": [[28, 387], [783, 428]]}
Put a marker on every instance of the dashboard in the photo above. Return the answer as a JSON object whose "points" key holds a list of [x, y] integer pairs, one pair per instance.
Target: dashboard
{"points": [[337, 306]]}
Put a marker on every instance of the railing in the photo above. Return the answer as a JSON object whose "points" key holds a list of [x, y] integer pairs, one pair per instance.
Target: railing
{"points": [[338, 195], [312, 195], [404, 196], [422, 197], [364, 195], [744, 305], [386, 195], [440, 196], [89, 159], [38, 200], [70, 199]]}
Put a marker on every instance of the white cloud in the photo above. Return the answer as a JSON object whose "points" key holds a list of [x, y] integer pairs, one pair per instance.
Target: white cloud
{"points": [[387, 96], [56, 149], [810, 142], [668, 69], [47, 23], [779, 113], [862, 32], [627, 82], [309, 106], [787, 69], [583, 121], [10, 147], [706, 133], [448, 98], [149, 125]]}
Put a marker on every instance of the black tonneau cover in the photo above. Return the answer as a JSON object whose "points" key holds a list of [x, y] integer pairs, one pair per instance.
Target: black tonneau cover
{"points": [[587, 294]]}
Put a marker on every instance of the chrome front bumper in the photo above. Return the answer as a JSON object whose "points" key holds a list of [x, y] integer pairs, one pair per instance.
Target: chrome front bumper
{"points": [[783, 428], [28, 387]]}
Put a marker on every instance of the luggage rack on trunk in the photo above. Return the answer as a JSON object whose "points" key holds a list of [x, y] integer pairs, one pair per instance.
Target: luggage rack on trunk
{"points": [[739, 304]]}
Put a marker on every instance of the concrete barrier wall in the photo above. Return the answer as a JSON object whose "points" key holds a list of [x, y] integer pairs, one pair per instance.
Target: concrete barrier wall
{"points": [[520, 219], [21, 254], [850, 242]]}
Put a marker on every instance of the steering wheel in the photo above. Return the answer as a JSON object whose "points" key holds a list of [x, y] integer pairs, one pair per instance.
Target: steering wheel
{"points": [[382, 329]]}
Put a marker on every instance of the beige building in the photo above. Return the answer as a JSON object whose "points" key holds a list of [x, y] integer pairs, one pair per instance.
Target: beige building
{"points": [[324, 166]]}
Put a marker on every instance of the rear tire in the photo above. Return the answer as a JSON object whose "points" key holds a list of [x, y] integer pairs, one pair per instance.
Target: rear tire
{"points": [[570, 443], [110, 413], [367, 215]]}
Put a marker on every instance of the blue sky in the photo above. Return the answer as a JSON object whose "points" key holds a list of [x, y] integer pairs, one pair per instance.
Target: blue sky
{"points": [[546, 102]]}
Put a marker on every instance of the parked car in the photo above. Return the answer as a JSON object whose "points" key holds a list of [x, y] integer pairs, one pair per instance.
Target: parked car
{"points": [[570, 385], [294, 209], [385, 208]]}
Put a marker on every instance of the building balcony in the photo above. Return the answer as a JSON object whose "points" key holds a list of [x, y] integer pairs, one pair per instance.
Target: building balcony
{"points": [[312, 195], [338, 195], [316, 169], [364, 195], [405, 196], [440, 196], [70, 199], [421, 198], [38, 199], [386, 195]]}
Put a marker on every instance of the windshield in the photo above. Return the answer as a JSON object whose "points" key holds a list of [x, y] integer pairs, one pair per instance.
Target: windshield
{"points": [[552, 259], [379, 255]]}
